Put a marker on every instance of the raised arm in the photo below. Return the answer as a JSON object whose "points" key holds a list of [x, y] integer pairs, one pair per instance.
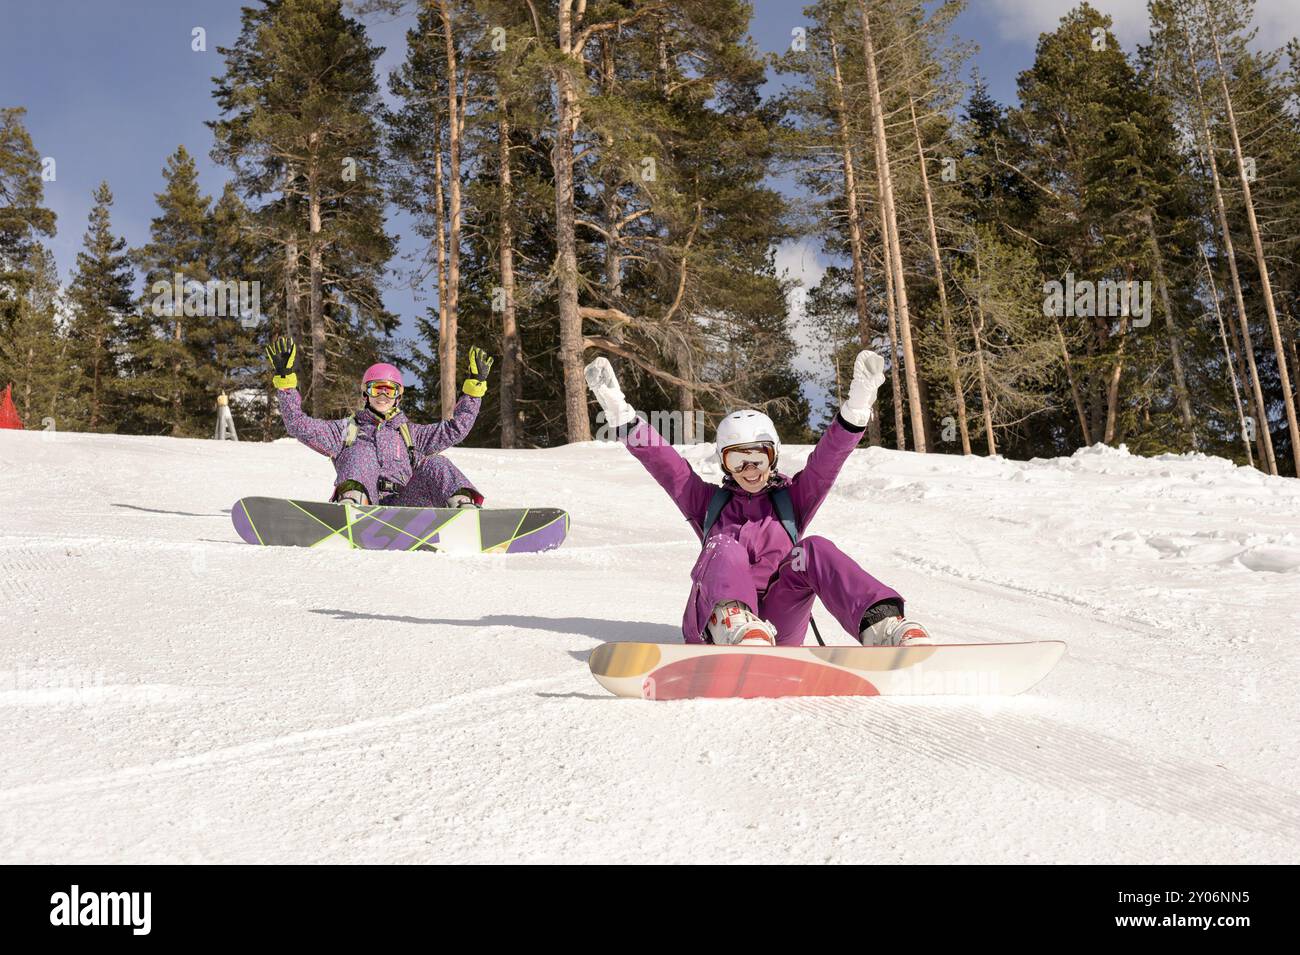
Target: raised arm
{"points": [[689, 491], [323, 436], [810, 486], [432, 438]]}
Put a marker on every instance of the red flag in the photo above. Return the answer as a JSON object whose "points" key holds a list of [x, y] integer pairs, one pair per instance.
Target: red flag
{"points": [[8, 413]]}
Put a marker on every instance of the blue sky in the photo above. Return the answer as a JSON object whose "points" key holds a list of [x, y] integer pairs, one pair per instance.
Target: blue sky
{"points": [[112, 87]]}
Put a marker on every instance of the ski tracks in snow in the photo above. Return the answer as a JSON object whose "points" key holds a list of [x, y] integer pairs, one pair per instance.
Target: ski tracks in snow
{"points": [[240, 755], [1047, 752], [26, 572]]}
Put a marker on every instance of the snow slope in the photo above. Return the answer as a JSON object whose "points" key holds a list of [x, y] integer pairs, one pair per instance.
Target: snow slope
{"points": [[168, 693]]}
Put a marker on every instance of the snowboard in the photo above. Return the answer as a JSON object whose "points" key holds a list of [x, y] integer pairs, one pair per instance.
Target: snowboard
{"points": [[674, 671], [276, 522]]}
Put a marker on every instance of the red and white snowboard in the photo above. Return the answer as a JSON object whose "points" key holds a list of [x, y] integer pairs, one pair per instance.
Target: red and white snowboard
{"points": [[674, 671]]}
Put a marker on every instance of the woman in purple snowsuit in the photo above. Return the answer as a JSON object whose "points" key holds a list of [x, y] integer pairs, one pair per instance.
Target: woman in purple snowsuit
{"points": [[379, 457], [751, 584]]}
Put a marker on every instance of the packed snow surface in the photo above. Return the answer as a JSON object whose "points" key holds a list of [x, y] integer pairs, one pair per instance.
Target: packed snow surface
{"points": [[171, 694]]}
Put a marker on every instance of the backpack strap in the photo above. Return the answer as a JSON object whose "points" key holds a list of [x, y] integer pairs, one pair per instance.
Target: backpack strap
{"points": [[780, 501], [405, 429], [785, 511], [716, 503]]}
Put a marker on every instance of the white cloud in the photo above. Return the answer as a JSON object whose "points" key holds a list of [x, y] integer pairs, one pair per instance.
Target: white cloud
{"points": [[1277, 20], [799, 260]]}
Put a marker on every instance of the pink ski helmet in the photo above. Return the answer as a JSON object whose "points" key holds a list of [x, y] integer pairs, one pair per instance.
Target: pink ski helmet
{"points": [[382, 372]]}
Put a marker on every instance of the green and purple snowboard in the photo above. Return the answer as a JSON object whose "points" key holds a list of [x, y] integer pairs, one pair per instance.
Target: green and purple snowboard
{"points": [[276, 522]]}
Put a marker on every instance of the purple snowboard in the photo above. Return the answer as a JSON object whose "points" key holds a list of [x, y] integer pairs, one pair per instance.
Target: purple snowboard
{"points": [[277, 522]]}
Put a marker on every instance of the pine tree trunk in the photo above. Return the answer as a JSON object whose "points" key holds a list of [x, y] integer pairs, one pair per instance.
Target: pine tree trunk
{"points": [[891, 221], [1261, 425], [1227, 360], [446, 369], [611, 206], [94, 391], [178, 427], [27, 386], [1265, 285], [977, 330], [450, 317], [292, 291], [851, 202], [316, 309], [686, 395], [1180, 379], [1084, 431], [1238, 353], [1112, 385], [865, 335], [577, 421], [509, 387], [950, 343], [1095, 397], [1295, 362], [895, 379]]}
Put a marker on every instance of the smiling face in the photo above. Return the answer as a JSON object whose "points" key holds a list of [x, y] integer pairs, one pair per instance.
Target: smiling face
{"points": [[382, 395], [750, 465]]}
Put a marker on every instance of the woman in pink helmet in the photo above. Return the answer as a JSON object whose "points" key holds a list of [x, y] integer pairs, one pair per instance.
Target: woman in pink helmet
{"points": [[380, 457]]}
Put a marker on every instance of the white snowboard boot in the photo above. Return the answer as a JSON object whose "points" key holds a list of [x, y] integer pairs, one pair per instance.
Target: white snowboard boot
{"points": [[465, 498], [895, 632], [733, 624]]}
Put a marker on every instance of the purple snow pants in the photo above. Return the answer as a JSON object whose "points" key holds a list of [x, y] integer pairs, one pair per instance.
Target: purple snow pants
{"points": [[435, 479], [814, 568]]}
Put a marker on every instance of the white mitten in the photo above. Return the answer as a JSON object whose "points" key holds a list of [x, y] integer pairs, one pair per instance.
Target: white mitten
{"points": [[868, 376], [604, 385]]}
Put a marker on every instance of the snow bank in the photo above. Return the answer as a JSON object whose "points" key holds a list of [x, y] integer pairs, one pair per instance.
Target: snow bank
{"points": [[168, 693]]}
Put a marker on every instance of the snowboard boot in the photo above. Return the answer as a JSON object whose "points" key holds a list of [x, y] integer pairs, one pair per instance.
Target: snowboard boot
{"points": [[466, 497], [352, 492], [733, 624], [885, 626]]}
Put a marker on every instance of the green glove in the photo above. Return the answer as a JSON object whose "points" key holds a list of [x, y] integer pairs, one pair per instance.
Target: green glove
{"points": [[281, 353], [480, 366]]}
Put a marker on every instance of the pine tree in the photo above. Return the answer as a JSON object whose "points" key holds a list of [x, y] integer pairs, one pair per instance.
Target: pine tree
{"points": [[168, 344], [23, 217], [102, 300], [33, 353], [300, 101]]}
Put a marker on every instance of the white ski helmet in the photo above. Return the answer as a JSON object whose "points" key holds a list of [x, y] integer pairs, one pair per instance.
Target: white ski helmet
{"points": [[747, 427]]}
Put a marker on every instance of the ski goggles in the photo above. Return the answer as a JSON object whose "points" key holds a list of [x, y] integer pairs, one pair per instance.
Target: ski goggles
{"points": [[739, 458], [382, 389]]}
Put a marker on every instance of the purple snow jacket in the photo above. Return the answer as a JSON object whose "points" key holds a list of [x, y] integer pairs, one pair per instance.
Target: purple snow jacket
{"points": [[749, 517], [379, 450]]}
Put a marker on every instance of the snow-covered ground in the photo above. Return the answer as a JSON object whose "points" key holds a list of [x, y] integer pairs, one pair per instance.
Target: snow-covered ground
{"points": [[171, 694]]}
